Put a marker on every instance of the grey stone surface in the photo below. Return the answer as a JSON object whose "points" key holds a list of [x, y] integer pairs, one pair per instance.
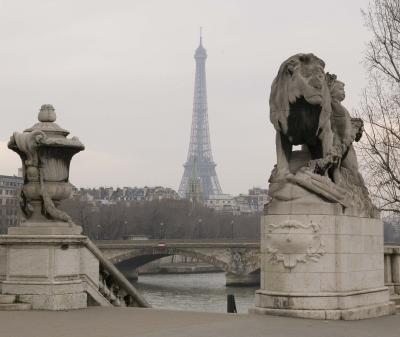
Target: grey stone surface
{"points": [[49, 272], [56, 301], [306, 109], [47, 228], [46, 153], [89, 267], [15, 307], [124, 322], [315, 263], [46, 262], [353, 314], [321, 236]]}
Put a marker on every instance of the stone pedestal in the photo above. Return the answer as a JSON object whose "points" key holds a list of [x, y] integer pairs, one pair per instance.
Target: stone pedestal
{"points": [[320, 261], [45, 270]]}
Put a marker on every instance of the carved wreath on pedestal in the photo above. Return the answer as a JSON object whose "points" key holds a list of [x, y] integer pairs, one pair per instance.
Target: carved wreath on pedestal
{"points": [[292, 242]]}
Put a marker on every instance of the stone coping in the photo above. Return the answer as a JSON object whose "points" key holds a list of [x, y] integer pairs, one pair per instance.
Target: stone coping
{"points": [[54, 282], [322, 294], [39, 239]]}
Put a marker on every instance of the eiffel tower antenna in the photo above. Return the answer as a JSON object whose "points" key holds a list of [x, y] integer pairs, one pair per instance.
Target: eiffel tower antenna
{"points": [[199, 154]]}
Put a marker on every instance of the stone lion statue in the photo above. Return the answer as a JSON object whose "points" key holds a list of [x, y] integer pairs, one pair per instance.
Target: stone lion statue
{"points": [[306, 109], [300, 109]]}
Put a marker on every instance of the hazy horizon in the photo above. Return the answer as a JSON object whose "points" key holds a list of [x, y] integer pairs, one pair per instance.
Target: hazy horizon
{"points": [[120, 76]]}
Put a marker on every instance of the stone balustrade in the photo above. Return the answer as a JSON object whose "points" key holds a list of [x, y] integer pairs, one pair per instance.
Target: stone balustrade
{"points": [[392, 268], [112, 284]]}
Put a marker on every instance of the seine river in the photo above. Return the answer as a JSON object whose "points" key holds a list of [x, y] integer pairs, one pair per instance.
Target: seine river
{"points": [[196, 292]]}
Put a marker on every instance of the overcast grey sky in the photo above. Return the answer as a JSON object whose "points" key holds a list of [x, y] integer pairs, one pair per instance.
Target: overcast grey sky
{"points": [[120, 75]]}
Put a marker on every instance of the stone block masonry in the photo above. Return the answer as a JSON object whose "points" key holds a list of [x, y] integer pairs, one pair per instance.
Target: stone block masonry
{"points": [[324, 266]]}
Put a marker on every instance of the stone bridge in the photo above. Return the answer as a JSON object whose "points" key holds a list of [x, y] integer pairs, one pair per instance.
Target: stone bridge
{"points": [[239, 259]]}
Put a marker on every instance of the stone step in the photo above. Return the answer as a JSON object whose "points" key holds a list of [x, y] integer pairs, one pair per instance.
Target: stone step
{"points": [[7, 299], [15, 306]]}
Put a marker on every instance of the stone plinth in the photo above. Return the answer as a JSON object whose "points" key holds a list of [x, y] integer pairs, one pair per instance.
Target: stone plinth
{"points": [[45, 228], [319, 261], [46, 270]]}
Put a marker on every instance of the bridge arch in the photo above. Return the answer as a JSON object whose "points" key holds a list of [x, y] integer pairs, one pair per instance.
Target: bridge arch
{"points": [[136, 259], [239, 260]]}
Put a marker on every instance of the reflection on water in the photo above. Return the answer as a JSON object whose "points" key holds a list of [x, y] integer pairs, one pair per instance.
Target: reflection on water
{"points": [[197, 292]]}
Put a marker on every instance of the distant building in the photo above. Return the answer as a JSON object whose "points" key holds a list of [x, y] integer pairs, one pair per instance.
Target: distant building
{"points": [[221, 203], [10, 187], [253, 202], [160, 193], [250, 203], [109, 195]]}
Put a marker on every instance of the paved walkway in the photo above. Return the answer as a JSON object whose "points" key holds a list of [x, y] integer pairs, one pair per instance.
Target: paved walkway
{"points": [[127, 322]]}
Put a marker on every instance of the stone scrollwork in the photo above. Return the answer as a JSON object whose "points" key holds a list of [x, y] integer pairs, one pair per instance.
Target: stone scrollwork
{"points": [[292, 242]]}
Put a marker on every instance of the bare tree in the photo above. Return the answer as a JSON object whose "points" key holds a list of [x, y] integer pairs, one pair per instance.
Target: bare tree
{"points": [[380, 107], [177, 218]]}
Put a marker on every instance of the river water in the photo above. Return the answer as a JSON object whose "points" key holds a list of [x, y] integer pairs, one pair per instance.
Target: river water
{"points": [[195, 292]]}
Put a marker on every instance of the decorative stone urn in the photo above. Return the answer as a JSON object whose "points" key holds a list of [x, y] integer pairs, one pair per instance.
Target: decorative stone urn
{"points": [[46, 153], [45, 257]]}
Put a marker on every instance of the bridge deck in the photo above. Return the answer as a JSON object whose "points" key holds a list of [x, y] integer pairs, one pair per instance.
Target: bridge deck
{"points": [[124, 322], [177, 243]]}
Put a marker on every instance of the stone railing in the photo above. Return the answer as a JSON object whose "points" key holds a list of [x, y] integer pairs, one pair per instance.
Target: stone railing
{"points": [[392, 268], [113, 285]]}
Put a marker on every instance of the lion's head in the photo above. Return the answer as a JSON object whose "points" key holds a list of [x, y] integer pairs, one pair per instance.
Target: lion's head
{"points": [[301, 76]]}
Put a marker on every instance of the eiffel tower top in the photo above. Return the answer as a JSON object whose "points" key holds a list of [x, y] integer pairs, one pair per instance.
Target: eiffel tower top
{"points": [[201, 52]]}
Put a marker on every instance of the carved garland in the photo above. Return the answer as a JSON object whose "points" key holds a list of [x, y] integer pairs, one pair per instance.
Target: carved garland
{"points": [[313, 248]]}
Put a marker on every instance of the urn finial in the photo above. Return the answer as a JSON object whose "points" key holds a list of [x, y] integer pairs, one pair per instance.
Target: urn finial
{"points": [[47, 113]]}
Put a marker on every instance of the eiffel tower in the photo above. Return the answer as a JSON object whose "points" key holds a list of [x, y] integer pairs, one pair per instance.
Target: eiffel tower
{"points": [[199, 159]]}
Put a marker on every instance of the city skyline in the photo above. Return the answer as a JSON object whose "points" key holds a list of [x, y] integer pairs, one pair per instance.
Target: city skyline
{"points": [[122, 80]]}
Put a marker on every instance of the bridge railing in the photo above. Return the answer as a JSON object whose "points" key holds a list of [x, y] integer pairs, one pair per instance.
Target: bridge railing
{"points": [[113, 285], [392, 268]]}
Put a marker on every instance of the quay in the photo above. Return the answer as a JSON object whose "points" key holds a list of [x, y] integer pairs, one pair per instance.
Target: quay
{"points": [[126, 322]]}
